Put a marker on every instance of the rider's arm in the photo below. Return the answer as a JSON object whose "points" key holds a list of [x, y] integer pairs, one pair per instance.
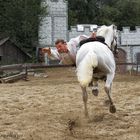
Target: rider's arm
{"points": [[54, 55], [51, 53]]}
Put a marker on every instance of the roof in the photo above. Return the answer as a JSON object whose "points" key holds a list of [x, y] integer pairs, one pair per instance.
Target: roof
{"points": [[4, 40]]}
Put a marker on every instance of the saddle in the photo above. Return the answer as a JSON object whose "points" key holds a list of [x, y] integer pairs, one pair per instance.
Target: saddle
{"points": [[98, 38]]}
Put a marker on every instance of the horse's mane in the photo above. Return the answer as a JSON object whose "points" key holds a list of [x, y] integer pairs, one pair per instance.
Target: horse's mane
{"points": [[102, 31]]}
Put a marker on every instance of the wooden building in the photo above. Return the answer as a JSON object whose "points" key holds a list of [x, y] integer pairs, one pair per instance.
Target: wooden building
{"points": [[10, 53]]}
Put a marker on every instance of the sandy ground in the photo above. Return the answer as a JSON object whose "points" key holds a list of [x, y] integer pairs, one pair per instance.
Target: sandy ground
{"points": [[48, 108]]}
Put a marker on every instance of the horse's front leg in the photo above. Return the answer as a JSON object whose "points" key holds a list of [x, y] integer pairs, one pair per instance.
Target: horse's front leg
{"points": [[85, 98], [108, 86]]}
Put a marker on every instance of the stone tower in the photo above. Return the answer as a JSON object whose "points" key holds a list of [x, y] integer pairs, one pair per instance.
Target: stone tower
{"points": [[55, 25]]}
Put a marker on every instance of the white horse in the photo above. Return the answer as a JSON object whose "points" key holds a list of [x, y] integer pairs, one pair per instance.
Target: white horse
{"points": [[94, 61]]}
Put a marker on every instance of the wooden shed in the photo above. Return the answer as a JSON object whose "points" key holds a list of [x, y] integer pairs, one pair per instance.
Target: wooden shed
{"points": [[10, 53]]}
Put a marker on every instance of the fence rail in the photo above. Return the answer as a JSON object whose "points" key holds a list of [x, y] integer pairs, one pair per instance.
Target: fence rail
{"points": [[23, 70], [25, 67], [124, 63], [30, 66], [39, 65]]}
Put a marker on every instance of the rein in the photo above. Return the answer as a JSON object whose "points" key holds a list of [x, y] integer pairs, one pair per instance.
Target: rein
{"points": [[115, 47]]}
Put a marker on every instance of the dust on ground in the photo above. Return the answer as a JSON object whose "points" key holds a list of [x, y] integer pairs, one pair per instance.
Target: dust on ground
{"points": [[43, 107]]}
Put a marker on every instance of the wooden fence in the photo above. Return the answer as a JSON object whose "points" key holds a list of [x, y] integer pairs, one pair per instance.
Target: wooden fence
{"points": [[22, 71], [24, 68], [133, 70]]}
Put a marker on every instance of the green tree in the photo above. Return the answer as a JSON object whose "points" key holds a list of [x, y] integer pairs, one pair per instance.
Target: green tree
{"points": [[77, 12], [20, 21], [129, 13], [118, 12]]}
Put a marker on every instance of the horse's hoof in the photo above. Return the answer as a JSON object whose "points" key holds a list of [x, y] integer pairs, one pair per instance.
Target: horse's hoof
{"points": [[95, 92], [112, 109]]}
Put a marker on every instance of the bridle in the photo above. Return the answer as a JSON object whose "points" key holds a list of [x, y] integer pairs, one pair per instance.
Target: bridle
{"points": [[114, 48]]}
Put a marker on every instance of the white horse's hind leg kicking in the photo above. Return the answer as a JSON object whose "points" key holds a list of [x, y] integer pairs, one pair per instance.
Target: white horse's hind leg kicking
{"points": [[108, 91], [95, 89], [94, 86], [85, 98]]}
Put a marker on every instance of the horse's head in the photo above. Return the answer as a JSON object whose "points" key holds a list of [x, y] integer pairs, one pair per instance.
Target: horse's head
{"points": [[110, 35], [114, 39]]}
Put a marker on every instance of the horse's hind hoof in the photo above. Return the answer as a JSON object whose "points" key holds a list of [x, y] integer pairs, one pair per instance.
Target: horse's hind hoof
{"points": [[112, 109], [95, 92]]}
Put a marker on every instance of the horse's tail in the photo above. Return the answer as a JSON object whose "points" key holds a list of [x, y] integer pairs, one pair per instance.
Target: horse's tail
{"points": [[85, 68]]}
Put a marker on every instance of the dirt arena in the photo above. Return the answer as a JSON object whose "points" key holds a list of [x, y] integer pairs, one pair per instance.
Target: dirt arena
{"points": [[51, 108]]}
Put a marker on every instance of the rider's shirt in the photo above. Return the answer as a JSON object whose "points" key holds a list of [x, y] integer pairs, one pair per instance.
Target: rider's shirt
{"points": [[70, 56]]}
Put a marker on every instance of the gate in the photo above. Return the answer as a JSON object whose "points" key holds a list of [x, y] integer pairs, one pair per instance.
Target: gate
{"points": [[121, 59]]}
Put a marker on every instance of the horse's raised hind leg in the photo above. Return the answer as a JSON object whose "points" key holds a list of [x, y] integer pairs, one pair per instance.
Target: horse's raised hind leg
{"points": [[95, 90], [85, 98], [108, 91], [94, 85]]}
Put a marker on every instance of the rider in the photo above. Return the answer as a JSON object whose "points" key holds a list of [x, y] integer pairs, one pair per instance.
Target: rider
{"points": [[89, 39], [65, 51]]}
